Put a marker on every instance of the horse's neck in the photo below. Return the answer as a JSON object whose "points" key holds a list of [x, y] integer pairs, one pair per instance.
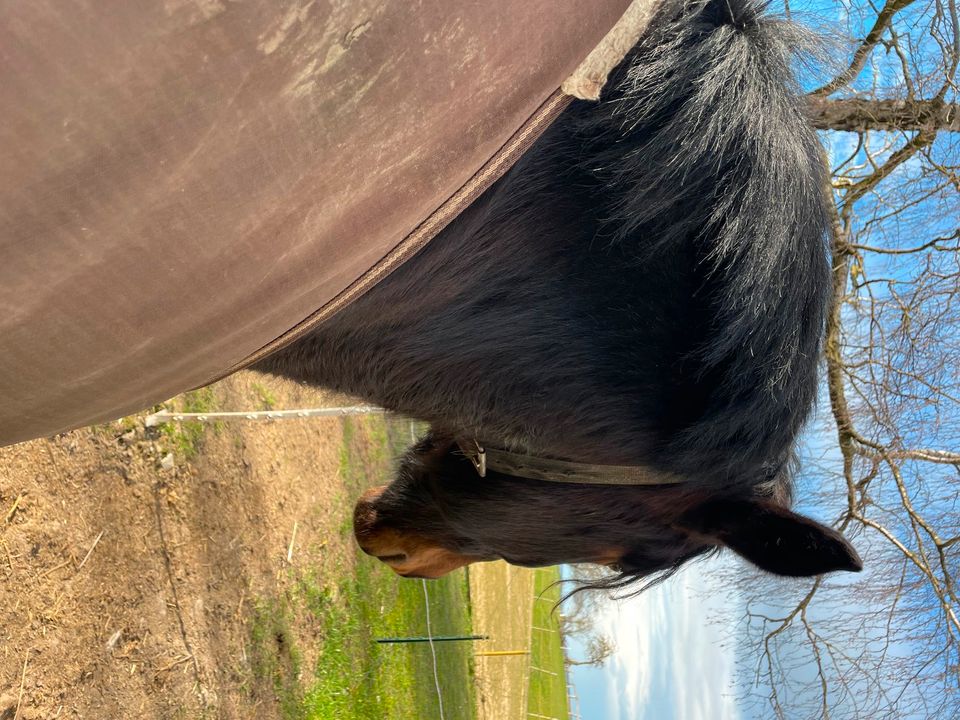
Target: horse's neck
{"points": [[495, 330]]}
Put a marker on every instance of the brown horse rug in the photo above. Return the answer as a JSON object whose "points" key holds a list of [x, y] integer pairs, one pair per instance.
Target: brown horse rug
{"points": [[185, 185]]}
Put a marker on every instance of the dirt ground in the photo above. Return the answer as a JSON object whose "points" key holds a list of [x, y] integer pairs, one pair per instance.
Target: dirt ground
{"points": [[127, 584], [501, 596]]}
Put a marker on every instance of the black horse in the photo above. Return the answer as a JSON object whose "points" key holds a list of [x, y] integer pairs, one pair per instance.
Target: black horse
{"points": [[646, 287]]}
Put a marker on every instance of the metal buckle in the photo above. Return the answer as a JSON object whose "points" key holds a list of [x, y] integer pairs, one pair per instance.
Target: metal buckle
{"points": [[476, 454]]}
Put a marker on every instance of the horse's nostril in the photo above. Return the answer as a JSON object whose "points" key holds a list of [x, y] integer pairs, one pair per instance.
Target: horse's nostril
{"points": [[397, 558]]}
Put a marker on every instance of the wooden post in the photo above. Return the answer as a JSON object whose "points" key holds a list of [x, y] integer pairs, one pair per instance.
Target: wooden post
{"points": [[501, 653]]}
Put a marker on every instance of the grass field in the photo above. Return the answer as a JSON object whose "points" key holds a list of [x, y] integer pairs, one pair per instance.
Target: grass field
{"points": [[547, 695], [353, 677], [228, 584]]}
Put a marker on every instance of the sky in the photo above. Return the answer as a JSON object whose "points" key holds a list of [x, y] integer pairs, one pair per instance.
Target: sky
{"points": [[671, 659], [674, 659]]}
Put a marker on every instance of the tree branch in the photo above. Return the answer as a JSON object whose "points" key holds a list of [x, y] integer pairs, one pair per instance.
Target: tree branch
{"points": [[858, 115], [935, 244], [922, 139], [866, 47]]}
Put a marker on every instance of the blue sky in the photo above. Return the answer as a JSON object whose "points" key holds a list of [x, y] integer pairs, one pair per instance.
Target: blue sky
{"points": [[678, 644], [675, 657], [672, 660]]}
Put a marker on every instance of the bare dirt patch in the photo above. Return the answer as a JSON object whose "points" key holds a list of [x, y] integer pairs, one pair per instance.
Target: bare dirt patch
{"points": [[501, 597], [127, 586]]}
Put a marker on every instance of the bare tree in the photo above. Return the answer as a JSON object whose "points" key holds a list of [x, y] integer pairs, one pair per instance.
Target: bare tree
{"points": [[886, 645], [599, 648], [578, 620], [884, 460]]}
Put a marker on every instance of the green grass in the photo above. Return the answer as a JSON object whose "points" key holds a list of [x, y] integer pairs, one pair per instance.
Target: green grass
{"points": [[186, 437], [268, 401], [273, 653], [354, 677], [547, 695]]}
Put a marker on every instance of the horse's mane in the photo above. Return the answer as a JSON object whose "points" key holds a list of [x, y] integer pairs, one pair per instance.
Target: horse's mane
{"points": [[702, 136], [647, 284]]}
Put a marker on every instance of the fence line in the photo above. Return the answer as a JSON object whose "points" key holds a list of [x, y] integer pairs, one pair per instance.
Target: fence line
{"points": [[167, 416], [296, 414], [433, 650], [572, 702]]}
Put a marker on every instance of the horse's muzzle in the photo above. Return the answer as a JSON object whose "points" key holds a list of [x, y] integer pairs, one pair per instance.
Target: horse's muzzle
{"points": [[365, 517], [408, 554]]}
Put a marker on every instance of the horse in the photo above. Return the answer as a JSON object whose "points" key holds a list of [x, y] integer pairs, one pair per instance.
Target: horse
{"points": [[637, 304]]}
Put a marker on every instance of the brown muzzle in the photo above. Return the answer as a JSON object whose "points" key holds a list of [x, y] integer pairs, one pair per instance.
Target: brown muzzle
{"points": [[409, 554]]}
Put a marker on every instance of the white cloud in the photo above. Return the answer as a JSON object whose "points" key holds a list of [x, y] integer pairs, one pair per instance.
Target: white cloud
{"points": [[670, 653]]}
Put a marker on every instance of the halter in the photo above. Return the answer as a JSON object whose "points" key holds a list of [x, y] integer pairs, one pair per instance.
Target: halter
{"points": [[562, 471]]}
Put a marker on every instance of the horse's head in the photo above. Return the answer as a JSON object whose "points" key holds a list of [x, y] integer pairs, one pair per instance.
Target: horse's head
{"points": [[438, 515]]}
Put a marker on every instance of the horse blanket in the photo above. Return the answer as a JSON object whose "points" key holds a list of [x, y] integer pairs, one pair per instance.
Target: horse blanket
{"points": [[187, 184]]}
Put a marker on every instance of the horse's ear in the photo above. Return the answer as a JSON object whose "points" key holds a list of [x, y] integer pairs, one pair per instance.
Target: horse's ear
{"points": [[772, 537]]}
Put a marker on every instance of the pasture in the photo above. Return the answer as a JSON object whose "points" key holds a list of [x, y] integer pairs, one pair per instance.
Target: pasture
{"points": [[208, 570], [548, 683]]}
